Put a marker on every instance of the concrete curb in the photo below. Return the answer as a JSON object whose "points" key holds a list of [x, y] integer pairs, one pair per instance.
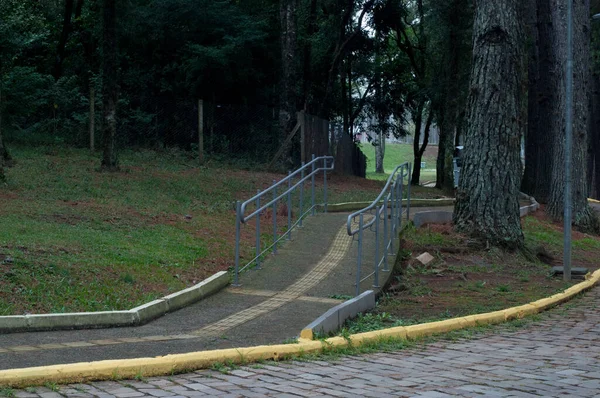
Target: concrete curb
{"points": [[445, 217], [353, 206], [146, 367], [333, 319], [103, 319]]}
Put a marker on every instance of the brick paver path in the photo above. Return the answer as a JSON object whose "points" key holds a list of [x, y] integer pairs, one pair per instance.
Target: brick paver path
{"points": [[557, 356]]}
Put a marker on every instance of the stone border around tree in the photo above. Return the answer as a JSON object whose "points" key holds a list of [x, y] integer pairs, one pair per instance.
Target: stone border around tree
{"points": [[104, 319], [445, 217]]}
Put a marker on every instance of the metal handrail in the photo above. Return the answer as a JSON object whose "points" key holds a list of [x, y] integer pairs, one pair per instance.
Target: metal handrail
{"points": [[316, 165], [390, 197]]}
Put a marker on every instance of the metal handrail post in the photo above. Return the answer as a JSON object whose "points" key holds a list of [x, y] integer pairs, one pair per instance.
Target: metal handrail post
{"points": [[385, 234], [289, 206], [392, 216], [408, 193], [258, 232], [376, 281], [236, 275], [312, 182], [325, 183], [359, 260], [274, 220], [400, 187], [301, 196]]}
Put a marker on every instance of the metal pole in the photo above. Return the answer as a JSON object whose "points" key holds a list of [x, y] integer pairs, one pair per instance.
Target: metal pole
{"points": [[312, 182], [359, 260], [238, 209], [376, 281], [408, 192], [274, 219], [385, 234], [289, 206], [325, 182], [301, 194], [258, 231], [568, 145], [392, 203], [400, 188]]}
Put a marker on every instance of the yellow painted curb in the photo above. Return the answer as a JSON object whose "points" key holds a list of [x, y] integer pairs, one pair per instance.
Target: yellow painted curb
{"points": [[165, 365], [593, 200]]}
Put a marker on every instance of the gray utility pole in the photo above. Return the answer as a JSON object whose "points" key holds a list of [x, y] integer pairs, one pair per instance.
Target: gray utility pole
{"points": [[568, 146]]}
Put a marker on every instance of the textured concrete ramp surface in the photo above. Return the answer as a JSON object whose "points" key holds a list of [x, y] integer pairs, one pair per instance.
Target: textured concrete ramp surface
{"points": [[272, 305]]}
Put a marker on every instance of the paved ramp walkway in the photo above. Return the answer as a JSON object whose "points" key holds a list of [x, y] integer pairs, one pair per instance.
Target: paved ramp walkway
{"points": [[308, 276], [555, 357]]}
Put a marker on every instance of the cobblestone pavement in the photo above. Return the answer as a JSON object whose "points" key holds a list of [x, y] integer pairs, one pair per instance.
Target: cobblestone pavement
{"points": [[556, 356]]}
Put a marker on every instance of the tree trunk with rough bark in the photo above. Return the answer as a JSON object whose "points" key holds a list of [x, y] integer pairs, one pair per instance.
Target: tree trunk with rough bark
{"points": [[583, 216], [594, 170], [542, 75], [487, 205], [287, 96], [109, 87]]}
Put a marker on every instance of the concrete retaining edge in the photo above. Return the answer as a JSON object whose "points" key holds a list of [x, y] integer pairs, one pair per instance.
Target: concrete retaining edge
{"points": [[169, 364], [103, 319], [445, 217], [353, 206], [334, 318]]}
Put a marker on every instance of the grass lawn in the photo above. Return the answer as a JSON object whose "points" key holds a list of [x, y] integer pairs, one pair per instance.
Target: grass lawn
{"points": [[75, 239], [396, 154]]}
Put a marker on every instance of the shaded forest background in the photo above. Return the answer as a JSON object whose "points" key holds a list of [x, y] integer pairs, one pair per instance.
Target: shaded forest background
{"points": [[388, 67]]}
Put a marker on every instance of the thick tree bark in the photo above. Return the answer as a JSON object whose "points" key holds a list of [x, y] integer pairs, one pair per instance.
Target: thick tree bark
{"points": [[487, 205], [583, 217], [287, 96], [542, 75], [594, 170], [109, 87]]}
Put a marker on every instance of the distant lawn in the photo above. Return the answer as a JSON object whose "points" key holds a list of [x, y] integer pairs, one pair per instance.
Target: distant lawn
{"points": [[396, 154], [75, 239]]}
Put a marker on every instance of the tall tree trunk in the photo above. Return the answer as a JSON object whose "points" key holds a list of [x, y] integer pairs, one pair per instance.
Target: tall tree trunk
{"points": [[287, 96], [380, 152], [2, 148], [487, 205], [595, 140], [583, 217], [307, 71], [450, 107], [109, 87], [92, 116], [542, 75], [419, 150], [62, 41]]}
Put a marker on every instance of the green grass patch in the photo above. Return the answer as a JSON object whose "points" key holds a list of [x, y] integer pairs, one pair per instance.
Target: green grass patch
{"points": [[396, 154], [76, 239]]}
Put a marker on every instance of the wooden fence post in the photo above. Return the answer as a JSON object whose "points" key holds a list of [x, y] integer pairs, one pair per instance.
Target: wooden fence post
{"points": [[201, 131], [302, 121]]}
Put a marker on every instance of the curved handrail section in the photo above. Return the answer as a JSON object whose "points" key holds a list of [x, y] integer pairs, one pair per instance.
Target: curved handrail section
{"points": [[383, 217]]}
